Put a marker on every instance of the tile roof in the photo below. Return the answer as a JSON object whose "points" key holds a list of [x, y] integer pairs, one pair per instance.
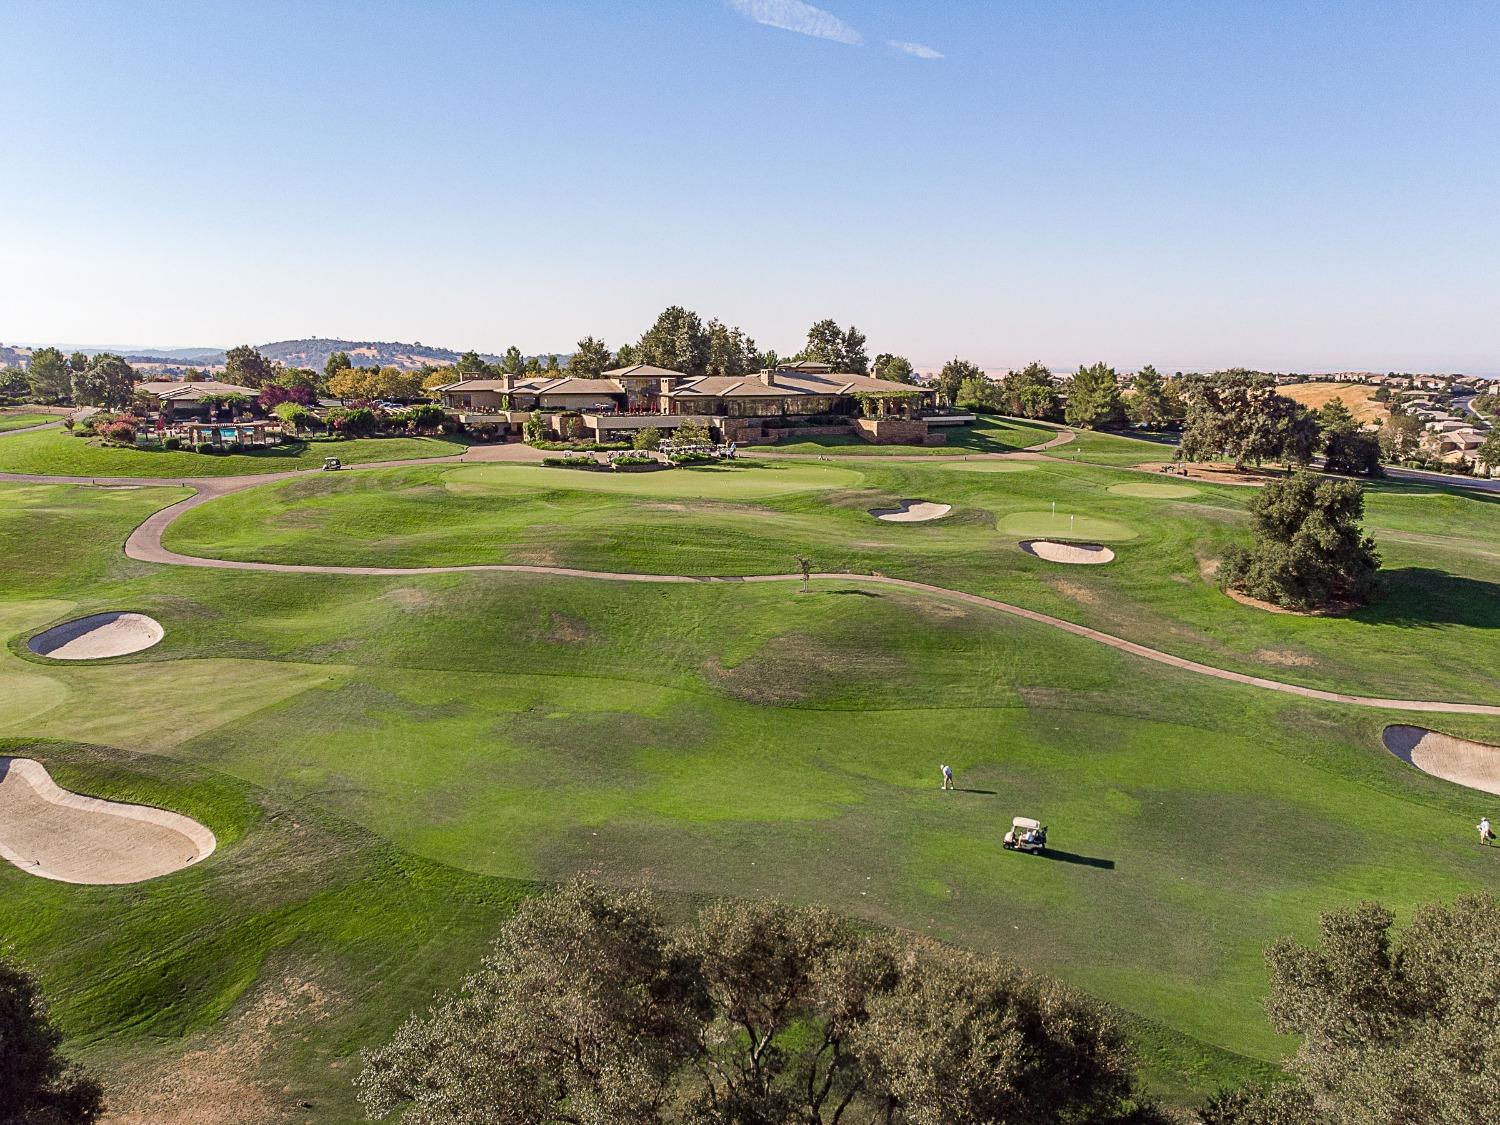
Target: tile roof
{"points": [[189, 391], [644, 371]]}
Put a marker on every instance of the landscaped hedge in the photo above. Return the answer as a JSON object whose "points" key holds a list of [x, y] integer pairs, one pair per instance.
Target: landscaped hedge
{"points": [[581, 446], [572, 463]]}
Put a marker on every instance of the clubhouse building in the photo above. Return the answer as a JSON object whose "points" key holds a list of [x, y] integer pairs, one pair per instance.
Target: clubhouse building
{"points": [[802, 397]]}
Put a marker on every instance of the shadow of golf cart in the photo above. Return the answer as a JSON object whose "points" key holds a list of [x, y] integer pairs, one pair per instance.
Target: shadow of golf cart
{"points": [[1026, 835]]}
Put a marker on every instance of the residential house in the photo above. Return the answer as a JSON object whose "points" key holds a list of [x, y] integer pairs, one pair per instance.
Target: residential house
{"points": [[176, 399]]}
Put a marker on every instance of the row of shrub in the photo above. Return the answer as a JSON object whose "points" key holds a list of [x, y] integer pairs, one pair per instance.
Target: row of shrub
{"points": [[629, 462], [580, 446]]}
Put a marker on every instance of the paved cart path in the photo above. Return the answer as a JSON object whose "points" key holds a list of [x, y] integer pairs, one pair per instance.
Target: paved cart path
{"points": [[145, 545]]}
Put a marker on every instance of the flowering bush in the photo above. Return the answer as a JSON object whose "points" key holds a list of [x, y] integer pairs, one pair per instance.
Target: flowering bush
{"points": [[119, 430]]}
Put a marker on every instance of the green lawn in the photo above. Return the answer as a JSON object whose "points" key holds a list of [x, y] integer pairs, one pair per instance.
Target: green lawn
{"points": [[20, 420], [989, 435], [1429, 637], [1094, 448], [388, 760], [59, 453]]}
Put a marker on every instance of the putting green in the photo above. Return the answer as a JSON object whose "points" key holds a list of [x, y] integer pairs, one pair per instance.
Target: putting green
{"points": [[1155, 491], [725, 482], [989, 466], [1064, 525]]}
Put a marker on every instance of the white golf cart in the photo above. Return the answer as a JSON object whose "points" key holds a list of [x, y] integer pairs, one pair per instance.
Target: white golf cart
{"points": [[1026, 835]]}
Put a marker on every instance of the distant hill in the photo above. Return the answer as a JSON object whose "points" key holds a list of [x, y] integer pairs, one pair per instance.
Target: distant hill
{"points": [[314, 353]]}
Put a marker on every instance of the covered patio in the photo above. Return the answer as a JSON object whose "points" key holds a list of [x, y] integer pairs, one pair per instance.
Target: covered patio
{"points": [[258, 433]]}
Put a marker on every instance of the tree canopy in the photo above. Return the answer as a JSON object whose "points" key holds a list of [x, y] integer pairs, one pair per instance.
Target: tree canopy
{"points": [[1029, 393], [471, 365], [38, 1086], [1489, 450], [107, 381], [372, 383], [1310, 548], [336, 362], [978, 393], [1152, 401], [1394, 1029], [1094, 400], [896, 368], [730, 351], [843, 349], [953, 374], [1238, 415], [247, 367], [591, 1009], [590, 359], [1400, 435], [49, 376], [677, 341]]}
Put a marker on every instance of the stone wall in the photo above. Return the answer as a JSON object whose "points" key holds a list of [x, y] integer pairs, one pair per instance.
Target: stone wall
{"points": [[760, 431], [896, 431]]}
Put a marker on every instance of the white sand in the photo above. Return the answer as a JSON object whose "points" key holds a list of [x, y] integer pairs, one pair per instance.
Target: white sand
{"points": [[1472, 764], [912, 511], [93, 638], [1074, 554], [47, 831]]}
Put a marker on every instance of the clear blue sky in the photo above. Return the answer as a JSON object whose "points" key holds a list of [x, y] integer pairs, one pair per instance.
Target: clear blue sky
{"points": [[1295, 185]]}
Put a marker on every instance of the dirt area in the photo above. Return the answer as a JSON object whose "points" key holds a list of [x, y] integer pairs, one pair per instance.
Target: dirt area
{"points": [[1073, 554], [409, 597], [98, 636], [1358, 398], [1472, 764], [219, 1084], [1072, 590], [1215, 472], [47, 831], [1283, 658], [1336, 610], [562, 629]]}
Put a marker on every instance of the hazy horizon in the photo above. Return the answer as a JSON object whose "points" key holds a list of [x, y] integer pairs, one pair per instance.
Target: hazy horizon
{"points": [[1277, 185]]}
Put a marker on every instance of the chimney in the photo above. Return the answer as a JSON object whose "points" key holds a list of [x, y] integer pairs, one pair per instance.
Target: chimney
{"points": [[507, 383], [768, 377]]}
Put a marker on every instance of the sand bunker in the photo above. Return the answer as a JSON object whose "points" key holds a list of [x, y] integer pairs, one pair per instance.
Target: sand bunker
{"points": [[47, 831], [1458, 760], [98, 636], [1075, 554], [912, 511]]}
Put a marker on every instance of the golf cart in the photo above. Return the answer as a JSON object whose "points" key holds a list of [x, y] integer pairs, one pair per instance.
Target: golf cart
{"points": [[1026, 835], [332, 464]]}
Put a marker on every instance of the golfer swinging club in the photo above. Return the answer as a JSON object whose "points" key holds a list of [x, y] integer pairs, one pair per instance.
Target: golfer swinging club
{"points": [[947, 777]]}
